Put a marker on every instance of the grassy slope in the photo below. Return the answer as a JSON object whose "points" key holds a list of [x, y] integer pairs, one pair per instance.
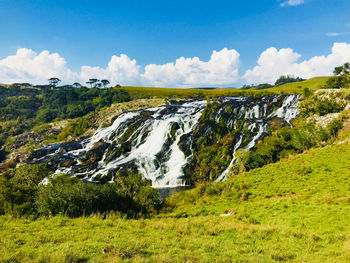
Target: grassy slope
{"points": [[297, 87], [295, 210]]}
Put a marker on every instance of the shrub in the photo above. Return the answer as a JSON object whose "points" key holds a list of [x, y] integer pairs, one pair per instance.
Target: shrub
{"points": [[334, 126], [74, 128], [72, 197], [341, 77], [18, 189], [320, 105]]}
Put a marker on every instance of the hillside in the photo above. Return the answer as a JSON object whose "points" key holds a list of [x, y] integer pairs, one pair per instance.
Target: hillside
{"points": [[39, 115], [295, 210], [286, 197], [296, 87]]}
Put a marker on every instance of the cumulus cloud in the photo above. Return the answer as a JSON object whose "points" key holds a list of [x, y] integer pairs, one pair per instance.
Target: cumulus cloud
{"points": [[292, 2], [29, 66], [221, 69], [273, 63], [120, 69]]}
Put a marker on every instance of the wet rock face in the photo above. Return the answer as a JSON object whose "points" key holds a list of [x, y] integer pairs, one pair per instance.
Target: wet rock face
{"points": [[94, 154], [172, 145]]}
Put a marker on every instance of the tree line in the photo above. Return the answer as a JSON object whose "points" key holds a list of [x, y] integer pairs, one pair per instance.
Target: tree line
{"points": [[93, 83]]}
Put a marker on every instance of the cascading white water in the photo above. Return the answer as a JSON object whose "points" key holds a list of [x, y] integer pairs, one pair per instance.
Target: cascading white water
{"points": [[287, 111], [154, 147], [144, 152]]}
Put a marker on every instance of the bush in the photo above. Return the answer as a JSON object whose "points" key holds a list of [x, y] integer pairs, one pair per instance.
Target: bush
{"points": [[320, 105], [18, 189], [334, 126], [74, 128], [341, 78], [247, 160], [283, 142], [72, 197], [286, 79]]}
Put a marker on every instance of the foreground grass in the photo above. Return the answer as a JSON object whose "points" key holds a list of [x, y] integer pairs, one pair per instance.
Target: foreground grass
{"points": [[295, 210]]}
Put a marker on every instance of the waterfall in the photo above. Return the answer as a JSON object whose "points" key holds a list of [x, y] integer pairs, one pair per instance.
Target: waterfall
{"points": [[145, 151], [287, 112], [157, 142]]}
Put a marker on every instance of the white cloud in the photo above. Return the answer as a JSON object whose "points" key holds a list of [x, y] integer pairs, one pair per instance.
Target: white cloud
{"points": [[221, 69], [120, 70], [274, 63], [28, 66], [292, 2], [337, 34]]}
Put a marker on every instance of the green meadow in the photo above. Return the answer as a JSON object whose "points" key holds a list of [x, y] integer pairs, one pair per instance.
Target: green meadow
{"points": [[296, 87], [295, 210]]}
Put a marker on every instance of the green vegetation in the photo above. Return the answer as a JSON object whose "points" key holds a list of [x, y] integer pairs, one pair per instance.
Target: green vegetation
{"points": [[70, 196], [18, 189], [21, 194], [296, 87], [287, 79], [295, 210], [24, 107], [287, 200], [341, 78], [21, 109], [257, 87], [306, 133], [75, 127], [211, 153]]}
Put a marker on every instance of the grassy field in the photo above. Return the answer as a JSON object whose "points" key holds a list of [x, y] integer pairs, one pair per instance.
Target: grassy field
{"points": [[296, 87], [149, 92], [295, 210]]}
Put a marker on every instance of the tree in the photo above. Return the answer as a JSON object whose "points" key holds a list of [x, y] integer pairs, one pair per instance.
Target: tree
{"points": [[93, 81], [54, 81], [287, 79], [341, 78], [76, 85], [98, 85], [342, 70], [89, 83], [105, 82], [18, 188]]}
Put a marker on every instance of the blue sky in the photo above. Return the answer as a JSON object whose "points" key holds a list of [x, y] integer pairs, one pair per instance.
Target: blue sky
{"points": [[159, 32]]}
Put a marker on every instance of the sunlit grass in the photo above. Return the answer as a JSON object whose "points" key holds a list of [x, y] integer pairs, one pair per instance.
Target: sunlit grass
{"points": [[296, 87], [295, 210]]}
